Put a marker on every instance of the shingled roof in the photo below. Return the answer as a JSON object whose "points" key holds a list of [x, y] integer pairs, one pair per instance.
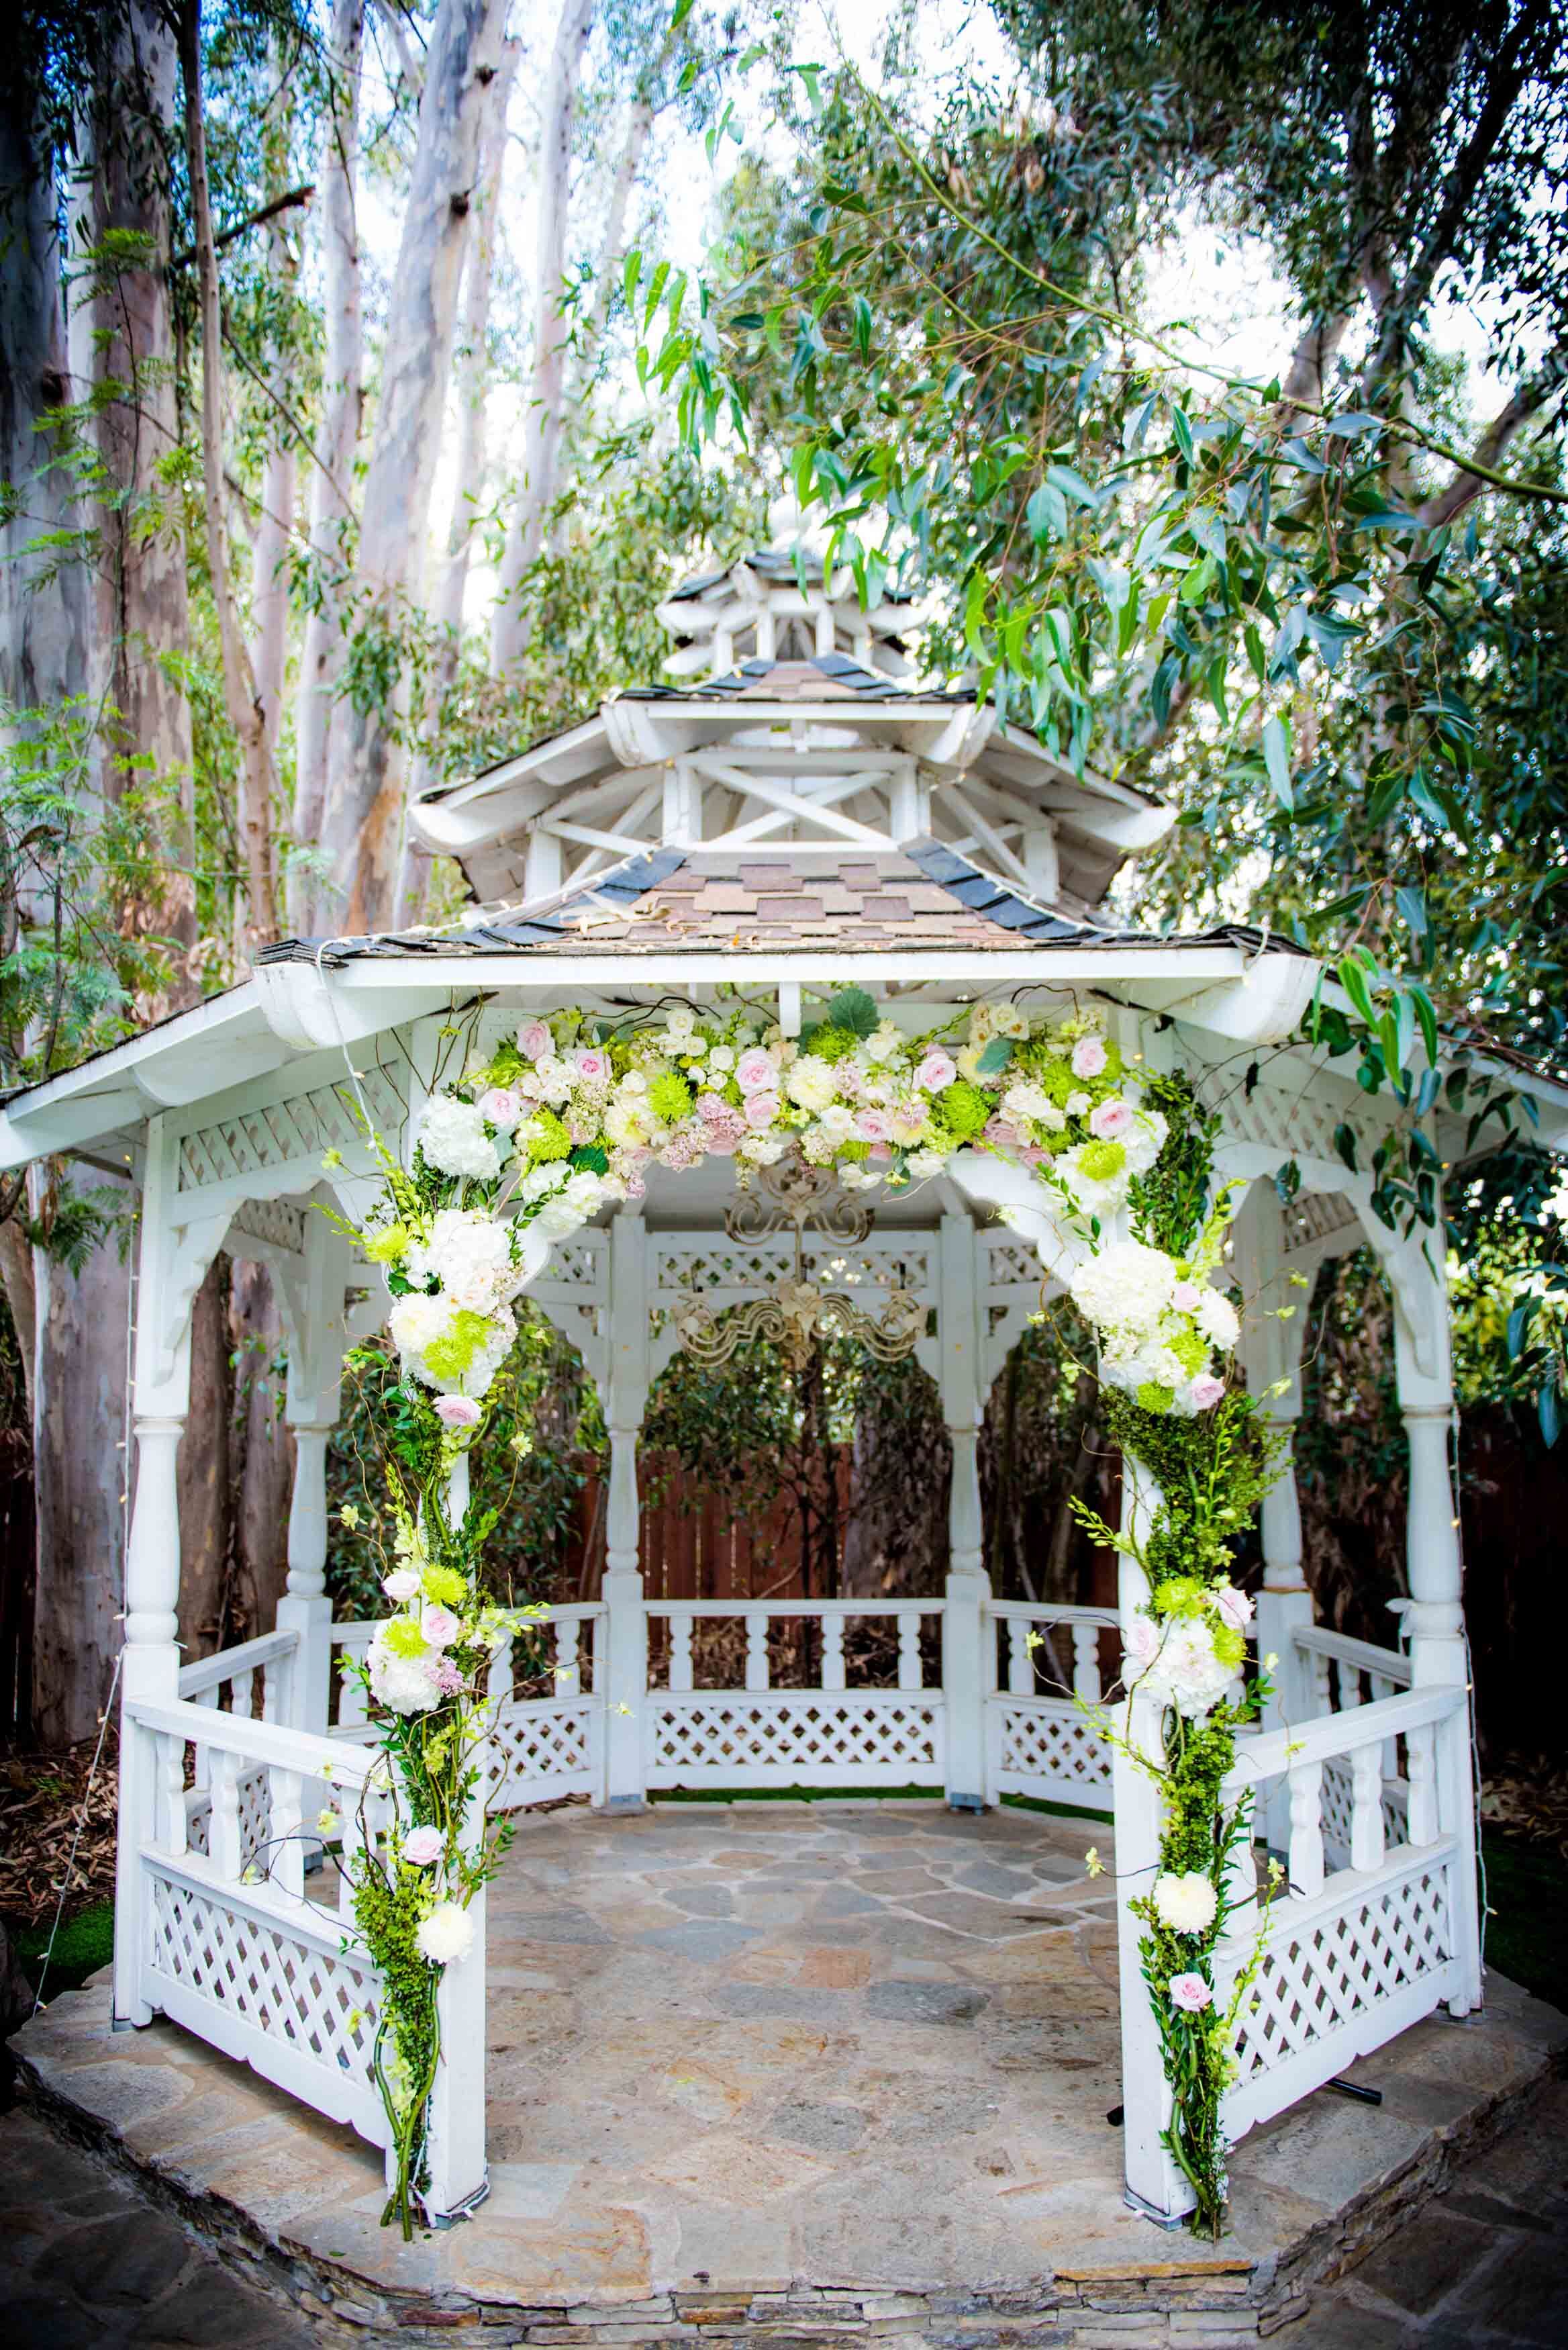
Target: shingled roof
{"points": [[920, 898]]}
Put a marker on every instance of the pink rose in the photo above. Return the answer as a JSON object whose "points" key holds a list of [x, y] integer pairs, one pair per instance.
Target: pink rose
{"points": [[502, 1107], [458, 1411], [937, 1071], [1002, 1135], [1089, 1056], [880, 1151], [1207, 1391], [755, 1071], [1235, 1607], [1190, 1993], [1143, 1644], [1111, 1119], [1187, 1297], [760, 1110], [592, 1065], [440, 1626], [874, 1125], [534, 1040], [422, 1846]]}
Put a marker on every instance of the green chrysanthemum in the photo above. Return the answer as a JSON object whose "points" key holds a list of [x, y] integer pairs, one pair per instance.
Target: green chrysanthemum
{"points": [[854, 1151], [670, 1097], [403, 1638], [1155, 1399], [830, 1044], [1102, 1162], [444, 1586], [1190, 1351], [1230, 1647], [549, 1141], [961, 1108], [452, 1357], [1179, 1594]]}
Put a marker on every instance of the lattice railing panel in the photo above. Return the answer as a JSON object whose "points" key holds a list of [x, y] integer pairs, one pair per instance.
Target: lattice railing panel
{"points": [[1011, 1261], [1049, 1750], [713, 1261], [282, 1133], [276, 1222], [319, 2007], [1317, 1216], [255, 1790], [1338, 1803], [537, 1749], [811, 1738], [1316, 1983]]}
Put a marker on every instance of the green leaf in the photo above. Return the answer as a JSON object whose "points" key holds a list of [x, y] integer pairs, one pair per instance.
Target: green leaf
{"points": [[855, 1010], [995, 1057], [1428, 1020], [1047, 513], [1183, 432], [1255, 653], [1353, 978], [1277, 760], [589, 1155], [1412, 905], [679, 13], [1345, 1143]]}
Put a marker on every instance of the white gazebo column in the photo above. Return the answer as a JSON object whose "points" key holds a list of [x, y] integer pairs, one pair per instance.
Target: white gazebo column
{"points": [[315, 1374], [966, 1625], [1417, 1274], [1154, 2183], [624, 1650], [1270, 1352], [171, 1262]]}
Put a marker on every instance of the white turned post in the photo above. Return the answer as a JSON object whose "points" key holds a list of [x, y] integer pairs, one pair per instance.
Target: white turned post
{"points": [[1304, 1782], [833, 1676], [171, 1261], [965, 1681], [909, 1670], [456, 2155], [1086, 1663], [757, 1650], [1435, 1621], [1271, 1353], [1020, 1658], [1154, 2184], [626, 1619], [314, 1371], [1367, 1807]]}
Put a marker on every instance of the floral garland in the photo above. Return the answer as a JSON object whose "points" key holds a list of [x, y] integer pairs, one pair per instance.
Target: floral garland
{"points": [[523, 1147], [1186, 1647]]}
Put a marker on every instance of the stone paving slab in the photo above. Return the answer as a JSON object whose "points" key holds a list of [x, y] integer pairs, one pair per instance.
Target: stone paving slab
{"points": [[847, 2095]]}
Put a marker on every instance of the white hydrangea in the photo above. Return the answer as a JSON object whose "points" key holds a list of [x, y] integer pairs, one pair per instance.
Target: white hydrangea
{"points": [[810, 1083], [1144, 1140], [470, 1253], [416, 1322], [578, 1197], [451, 1136], [1126, 1288], [1217, 1318], [1187, 1673], [404, 1684]]}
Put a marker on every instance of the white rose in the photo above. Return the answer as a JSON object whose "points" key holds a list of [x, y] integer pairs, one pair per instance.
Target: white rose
{"points": [[554, 1080], [810, 1083], [839, 1120], [926, 1163]]}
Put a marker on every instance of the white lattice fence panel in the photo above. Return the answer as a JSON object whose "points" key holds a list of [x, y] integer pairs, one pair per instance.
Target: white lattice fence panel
{"points": [[276, 1222], [540, 1747], [281, 1133], [278, 1994], [1050, 1751], [805, 1738], [1341, 1974]]}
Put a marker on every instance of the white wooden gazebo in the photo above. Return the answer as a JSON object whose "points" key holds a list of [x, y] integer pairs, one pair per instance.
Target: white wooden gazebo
{"points": [[800, 822]]}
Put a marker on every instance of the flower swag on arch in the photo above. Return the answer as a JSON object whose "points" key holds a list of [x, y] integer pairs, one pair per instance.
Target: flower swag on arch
{"points": [[526, 1143]]}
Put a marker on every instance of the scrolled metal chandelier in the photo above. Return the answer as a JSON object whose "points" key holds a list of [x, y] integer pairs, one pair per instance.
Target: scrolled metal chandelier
{"points": [[797, 1312]]}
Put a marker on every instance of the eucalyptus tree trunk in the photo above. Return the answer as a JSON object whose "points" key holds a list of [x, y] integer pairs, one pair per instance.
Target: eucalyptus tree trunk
{"points": [[362, 818], [280, 481], [331, 478], [511, 626], [472, 372], [612, 253], [122, 348], [260, 1451], [241, 700]]}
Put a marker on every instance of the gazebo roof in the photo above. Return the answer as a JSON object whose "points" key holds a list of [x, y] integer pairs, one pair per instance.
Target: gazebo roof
{"points": [[920, 897]]}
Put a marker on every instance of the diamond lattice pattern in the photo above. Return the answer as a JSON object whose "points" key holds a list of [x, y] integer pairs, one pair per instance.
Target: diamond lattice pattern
{"points": [[321, 2006], [1341, 1967], [815, 1737], [535, 1747], [285, 1132], [1047, 1749]]}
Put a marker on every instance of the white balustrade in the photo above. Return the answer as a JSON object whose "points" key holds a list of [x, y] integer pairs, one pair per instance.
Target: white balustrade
{"points": [[1041, 1740], [1353, 1953]]}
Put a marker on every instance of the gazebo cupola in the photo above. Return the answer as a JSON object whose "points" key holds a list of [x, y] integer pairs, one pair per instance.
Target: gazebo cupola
{"points": [[798, 734]]}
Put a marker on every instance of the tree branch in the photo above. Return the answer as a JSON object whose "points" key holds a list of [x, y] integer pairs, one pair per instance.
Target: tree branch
{"points": [[285, 202], [1477, 470]]}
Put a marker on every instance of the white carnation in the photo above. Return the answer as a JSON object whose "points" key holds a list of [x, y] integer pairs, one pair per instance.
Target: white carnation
{"points": [[1028, 1100], [1126, 1288], [446, 1935], [1186, 1903], [453, 1138], [810, 1081]]}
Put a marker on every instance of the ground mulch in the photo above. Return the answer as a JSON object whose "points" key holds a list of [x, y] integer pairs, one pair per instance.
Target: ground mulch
{"points": [[1527, 1796], [42, 1797]]}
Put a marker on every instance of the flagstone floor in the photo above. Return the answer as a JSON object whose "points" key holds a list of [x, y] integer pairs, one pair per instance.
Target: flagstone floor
{"points": [[738, 2048]]}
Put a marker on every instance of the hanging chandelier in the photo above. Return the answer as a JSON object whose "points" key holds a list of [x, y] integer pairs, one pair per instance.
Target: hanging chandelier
{"points": [[797, 1312]]}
